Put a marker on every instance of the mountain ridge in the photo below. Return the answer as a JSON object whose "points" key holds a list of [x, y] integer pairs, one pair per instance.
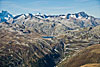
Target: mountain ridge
{"points": [[52, 24]]}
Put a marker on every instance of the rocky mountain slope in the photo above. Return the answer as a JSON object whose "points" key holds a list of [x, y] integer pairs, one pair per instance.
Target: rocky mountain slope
{"points": [[41, 40], [89, 57], [51, 24], [21, 49], [17, 50]]}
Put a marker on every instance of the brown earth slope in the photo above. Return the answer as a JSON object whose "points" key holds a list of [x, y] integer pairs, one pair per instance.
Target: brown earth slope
{"points": [[88, 56], [91, 65]]}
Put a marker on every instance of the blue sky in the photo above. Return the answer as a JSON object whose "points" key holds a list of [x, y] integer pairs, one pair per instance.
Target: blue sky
{"points": [[91, 7]]}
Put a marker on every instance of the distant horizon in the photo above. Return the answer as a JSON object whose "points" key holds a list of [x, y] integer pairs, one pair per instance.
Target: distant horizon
{"points": [[51, 7]]}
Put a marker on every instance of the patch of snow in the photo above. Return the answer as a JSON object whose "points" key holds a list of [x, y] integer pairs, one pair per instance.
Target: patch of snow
{"points": [[6, 18], [39, 14], [0, 11], [74, 16], [27, 14], [79, 17], [63, 16], [9, 16], [21, 17], [71, 15], [56, 50], [14, 15], [89, 18], [68, 44]]}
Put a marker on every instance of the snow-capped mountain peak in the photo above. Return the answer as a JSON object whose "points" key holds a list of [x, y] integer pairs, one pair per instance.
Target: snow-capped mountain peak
{"points": [[4, 16], [79, 15]]}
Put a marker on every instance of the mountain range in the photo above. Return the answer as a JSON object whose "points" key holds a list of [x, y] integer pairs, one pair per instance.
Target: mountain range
{"points": [[41, 40], [49, 24]]}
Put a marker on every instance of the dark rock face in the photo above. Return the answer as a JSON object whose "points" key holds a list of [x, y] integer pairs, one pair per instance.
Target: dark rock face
{"points": [[68, 15]]}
